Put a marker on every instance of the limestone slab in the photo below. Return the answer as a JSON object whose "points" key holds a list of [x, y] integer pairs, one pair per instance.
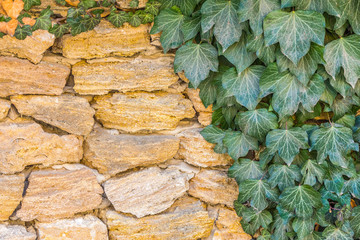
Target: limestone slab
{"points": [[196, 100], [11, 189], [205, 118], [4, 108], [15, 232]]}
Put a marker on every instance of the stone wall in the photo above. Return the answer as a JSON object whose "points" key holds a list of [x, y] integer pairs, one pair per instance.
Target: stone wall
{"points": [[99, 139]]}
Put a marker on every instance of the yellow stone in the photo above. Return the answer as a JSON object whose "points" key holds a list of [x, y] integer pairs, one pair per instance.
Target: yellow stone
{"points": [[4, 108], [195, 99], [11, 189]]}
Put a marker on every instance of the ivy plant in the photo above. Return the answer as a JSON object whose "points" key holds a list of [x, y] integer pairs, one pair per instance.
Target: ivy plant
{"points": [[282, 77]]}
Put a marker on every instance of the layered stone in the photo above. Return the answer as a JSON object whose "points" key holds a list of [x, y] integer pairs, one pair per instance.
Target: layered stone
{"points": [[16, 232], [59, 194], [69, 113], [4, 108], [147, 73], [110, 152], [196, 100], [142, 111], [11, 190], [146, 192], [19, 76]]}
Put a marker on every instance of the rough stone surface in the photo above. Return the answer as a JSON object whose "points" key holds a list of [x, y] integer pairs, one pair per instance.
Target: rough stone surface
{"points": [[142, 111], [147, 73], [19, 76], [15, 232], [69, 113], [187, 219], [106, 40], [81, 228], [205, 118], [111, 152], [59, 194], [214, 187], [195, 99], [197, 151], [11, 189], [4, 108], [25, 143], [146, 192], [56, 8], [31, 48]]}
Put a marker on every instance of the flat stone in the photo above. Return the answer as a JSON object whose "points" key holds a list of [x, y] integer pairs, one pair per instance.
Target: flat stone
{"points": [[69, 113], [4, 108], [59, 194], [205, 118], [19, 76], [15, 232], [31, 48], [88, 227], [146, 192], [147, 73], [214, 187], [110, 152], [194, 149], [11, 189], [25, 143], [106, 40], [195, 99], [142, 111], [186, 219]]}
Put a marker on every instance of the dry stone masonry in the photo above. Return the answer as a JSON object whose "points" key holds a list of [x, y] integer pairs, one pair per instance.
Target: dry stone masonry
{"points": [[100, 139]]}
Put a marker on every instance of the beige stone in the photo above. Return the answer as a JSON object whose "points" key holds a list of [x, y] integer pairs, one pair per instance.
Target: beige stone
{"points": [[15, 232], [69, 113], [197, 151], [11, 189], [195, 99], [59, 194], [107, 40], [25, 143], [56, 8], [111, 152], [214, 187], [81, 228], [146, 192], [147, 73], [186, 219], [56, 58], [125, 3], [19, 76], [205, 118], [31, 48], [142, 111], [4, 108]]}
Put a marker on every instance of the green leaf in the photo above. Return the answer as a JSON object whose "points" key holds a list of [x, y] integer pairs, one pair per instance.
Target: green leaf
{"points": [[303, 226], [355, 221], [245, 169], [186, 6], [347, 121], [353, 186], [169, 22], [334, 141], [255, 11], [257, 123], [294, 31], [134, 3], [134, 20], [329, 94], [329, 6], [59, 29], [333, 233], [257, 218], [86, 4], [152, 7], [21, 32], [287, 142], [283, 176], [265, 53], [311, 171], [118, 18], [223, 16], [44, 21], [340, 85], [196, 60], [301, 199], [30, 3], [239, 144], [191, 27], [311, 94], [345, 53], [61, 2], [281, 228], [75, 12], [349, 11]]}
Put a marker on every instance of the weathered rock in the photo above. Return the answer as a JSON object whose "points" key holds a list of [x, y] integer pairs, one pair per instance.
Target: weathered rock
{"points": [[187, 219], [214, 187], [25, 143], [142, 111], [59, 194], [195, 150], [87, 228], [106, 40], [125, 3], [11, 189], [111, 152], [19, 76], [205, 118], [4, 108], [56, 8], [31, 48], [15, 232], [195, 99], [147, 73], [69, 113], [146, 192]]}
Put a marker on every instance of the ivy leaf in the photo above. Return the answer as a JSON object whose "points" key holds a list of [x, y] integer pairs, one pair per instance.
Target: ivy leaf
{"points": [[43, 21], [311, 171], [196, 60], [333, 233], [209, 88], [30, 3], [118, 18], [329, 94], [255, 11], [301, 199], [353, 186], [257, 218], [245, 169], [186, 6], [303, 226], [345, 53], [239, 144], [134, 3], [264, 53], [59, 29], [134, 20], [245, 85], [329, 6], [169, 22], [311, 94], [22, 32], [257, 123], [287, 142], [75, 12], [355, 221], [191, 27], [281, 228], [334, 141], [283, 176], [349, 11], [223, 16], [294, 31], [153, 7], [215, 135]]}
